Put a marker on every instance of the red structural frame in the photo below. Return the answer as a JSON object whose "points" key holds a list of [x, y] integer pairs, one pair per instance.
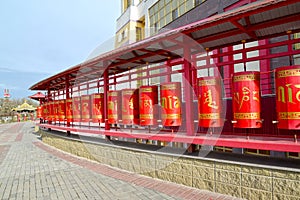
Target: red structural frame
{"points": [[128, 64]]}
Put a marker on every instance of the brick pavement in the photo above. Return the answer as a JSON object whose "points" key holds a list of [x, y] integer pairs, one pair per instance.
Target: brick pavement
{"points": [[33, 170]]}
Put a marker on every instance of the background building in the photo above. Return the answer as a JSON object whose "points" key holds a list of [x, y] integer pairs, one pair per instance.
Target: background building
{"points": [[143, 18]]}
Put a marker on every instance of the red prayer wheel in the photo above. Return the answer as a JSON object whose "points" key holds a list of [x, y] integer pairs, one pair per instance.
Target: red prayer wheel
{"points": [[61, 110], [45, 111], [39, 112], [69, 110], [148, 98], [170, 97], [130, 106], [112, 108], [50, 110], [85, 108], [246, 100], [287, 80], [76, 107], [55, 110], [97, 107], [42, 111], [209, 102]]}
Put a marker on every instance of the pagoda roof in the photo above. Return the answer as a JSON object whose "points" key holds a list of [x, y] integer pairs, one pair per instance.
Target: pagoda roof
{"points": [[38, 96]]}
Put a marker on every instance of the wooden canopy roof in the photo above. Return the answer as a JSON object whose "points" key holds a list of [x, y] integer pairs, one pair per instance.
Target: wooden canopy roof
{"points": [[258, 20]]}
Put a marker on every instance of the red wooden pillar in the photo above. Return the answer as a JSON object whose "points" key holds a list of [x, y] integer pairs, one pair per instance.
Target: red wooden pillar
{"points": [[217, 60], [68, 106], [265, 66], [169, 71], [187, 87], [105, 87], [228, 70], [49, 106], [194, 74], [67, 95]]}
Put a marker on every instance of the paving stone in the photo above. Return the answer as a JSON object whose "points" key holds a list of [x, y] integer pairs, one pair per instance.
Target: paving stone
{"points": [[33, 170]]}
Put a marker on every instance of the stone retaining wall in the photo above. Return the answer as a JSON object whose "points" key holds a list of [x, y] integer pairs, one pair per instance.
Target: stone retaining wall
{"points": [[250, 182]]}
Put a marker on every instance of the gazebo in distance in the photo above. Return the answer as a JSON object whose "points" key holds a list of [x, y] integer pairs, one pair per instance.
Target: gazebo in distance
{"points": [[39, 96], [25, 110]]}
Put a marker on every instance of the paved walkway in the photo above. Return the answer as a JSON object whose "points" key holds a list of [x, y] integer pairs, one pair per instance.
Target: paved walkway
{"points": [[30, 169]]}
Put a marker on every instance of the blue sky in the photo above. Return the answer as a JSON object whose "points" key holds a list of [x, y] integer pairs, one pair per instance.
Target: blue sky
{"points": [[41, 38]]}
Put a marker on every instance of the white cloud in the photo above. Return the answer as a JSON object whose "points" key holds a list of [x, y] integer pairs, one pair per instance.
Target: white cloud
{"points": [[3, 69]]}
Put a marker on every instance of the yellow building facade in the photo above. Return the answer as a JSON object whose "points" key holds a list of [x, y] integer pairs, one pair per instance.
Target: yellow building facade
{"points": [[140, 19]]}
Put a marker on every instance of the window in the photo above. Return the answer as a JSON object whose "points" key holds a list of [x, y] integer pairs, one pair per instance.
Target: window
{"points": [[293, 155], [138, 32], [119, 38], [128, 3], [123, 35], [297, 45], [198, 2], [155, 27], [223, 149], [257, 152], [174, 14]]}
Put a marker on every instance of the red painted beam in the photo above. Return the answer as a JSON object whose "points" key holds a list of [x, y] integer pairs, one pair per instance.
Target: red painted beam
{"points": [[244, 29], [249, 29], [274, 22]]}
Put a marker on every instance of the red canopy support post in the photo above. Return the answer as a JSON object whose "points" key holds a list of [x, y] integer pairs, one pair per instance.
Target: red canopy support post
{"points": [[187, 87], [194, 74], [228, 70], [169, 71], [188, 95], [68, 97], [105, 88], [265, 66], [48, 100]]}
